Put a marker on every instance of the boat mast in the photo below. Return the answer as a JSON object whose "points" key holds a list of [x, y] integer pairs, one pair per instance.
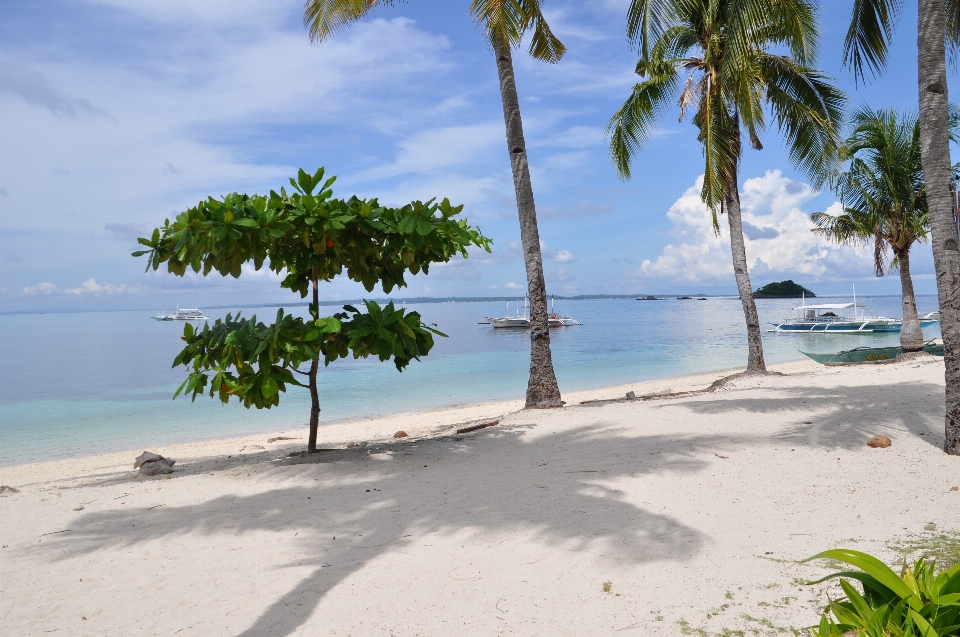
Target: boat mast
{"points": [[855, 301]]}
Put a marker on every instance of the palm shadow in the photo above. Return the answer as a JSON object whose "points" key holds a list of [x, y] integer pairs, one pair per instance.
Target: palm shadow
{"points": [[849, 415], [555, 487]]}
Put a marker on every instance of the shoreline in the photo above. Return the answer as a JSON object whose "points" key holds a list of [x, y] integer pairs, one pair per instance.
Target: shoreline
{"points": [[419, 424], [685, 514]]}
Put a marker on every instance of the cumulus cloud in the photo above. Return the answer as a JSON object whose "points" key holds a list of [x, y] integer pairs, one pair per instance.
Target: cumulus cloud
{"points": [[564, 256], [777, 237], [46, 288], [90, 287]]}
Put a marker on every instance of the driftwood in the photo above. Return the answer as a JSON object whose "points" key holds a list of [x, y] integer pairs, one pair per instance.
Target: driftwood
{"points": [[476, 427]]}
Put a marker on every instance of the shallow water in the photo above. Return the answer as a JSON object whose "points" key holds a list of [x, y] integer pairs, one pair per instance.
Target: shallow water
{"points": [[88, 383]]}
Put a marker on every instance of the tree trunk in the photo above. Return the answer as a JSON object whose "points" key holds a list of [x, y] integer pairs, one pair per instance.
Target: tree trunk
{"points": [[935, 154], [755, 362], [314, 366], [911, 336], [542, 389]]}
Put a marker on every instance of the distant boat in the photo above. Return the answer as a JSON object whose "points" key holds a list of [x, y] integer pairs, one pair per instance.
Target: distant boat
{"points": [[868, 354], [182, 315], [681, 298], [522, 320], [647, 298], [702, 298], [825, 319]]}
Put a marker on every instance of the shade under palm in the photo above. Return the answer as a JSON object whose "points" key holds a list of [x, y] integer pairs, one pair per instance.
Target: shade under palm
{"points": [[733, 84], [884, 200]]}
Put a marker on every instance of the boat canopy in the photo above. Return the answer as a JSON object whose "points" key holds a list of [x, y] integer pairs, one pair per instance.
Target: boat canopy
{"points": [[828, 306]]}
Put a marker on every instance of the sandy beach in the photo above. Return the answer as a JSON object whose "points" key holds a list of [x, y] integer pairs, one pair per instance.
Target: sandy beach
{"points": [[679, 515]]}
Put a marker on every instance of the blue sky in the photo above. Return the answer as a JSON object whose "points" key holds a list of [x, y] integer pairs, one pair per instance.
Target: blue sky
{"points": [[115, 114]]}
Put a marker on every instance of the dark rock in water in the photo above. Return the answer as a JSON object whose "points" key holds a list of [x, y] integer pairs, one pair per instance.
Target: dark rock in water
{"points": [[879, 442]]}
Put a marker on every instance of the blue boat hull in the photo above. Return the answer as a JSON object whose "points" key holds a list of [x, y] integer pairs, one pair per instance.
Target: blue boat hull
{"points": [[845, 328]]}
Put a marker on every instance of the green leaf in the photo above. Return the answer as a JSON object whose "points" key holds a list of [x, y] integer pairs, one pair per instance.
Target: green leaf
{"points": [[269, 387]]}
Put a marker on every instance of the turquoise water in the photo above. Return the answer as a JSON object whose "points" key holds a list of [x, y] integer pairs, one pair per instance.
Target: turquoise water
{"points": [[87, 383]]}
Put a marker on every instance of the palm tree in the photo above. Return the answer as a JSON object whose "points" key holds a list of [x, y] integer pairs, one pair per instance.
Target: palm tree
{"points": [[884, 200], [505, 22], [866, 45], [723, 46]]}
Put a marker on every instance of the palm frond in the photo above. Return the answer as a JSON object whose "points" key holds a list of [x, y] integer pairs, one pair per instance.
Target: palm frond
{"points": [[506, 21], [868, 39], [633, 125], [646, 21], [324, 18], [720, 138], [808, 110]]}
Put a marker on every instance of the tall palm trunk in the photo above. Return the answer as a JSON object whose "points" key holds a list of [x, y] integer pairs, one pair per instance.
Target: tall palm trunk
{"points": [[314, 366], [911, 336], [542, 389], [755, 362], [935, 154]]}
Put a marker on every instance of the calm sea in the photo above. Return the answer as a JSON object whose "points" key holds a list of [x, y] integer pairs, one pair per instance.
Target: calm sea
{"points": [[88, 383]]}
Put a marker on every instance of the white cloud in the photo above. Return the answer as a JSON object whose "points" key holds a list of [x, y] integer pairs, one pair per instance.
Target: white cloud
{"points": [[777, 237], [90, 286], [510, 285], [564, 256], [46, 288]]}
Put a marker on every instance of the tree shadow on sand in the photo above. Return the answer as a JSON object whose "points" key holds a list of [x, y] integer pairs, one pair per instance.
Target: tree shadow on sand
{"points": [[842, 417], [553, 491]]}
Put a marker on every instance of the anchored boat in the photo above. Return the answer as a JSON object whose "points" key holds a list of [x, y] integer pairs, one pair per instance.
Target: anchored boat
{"points": [[181, 315], [833, 318], [868, 354], [522, 319]]}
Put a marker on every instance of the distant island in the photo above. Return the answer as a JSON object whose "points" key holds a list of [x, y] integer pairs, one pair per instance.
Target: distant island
{"points": [[782, 290]]}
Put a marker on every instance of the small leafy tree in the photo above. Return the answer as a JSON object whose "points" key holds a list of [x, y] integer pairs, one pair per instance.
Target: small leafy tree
{"points": [[306, 238]]}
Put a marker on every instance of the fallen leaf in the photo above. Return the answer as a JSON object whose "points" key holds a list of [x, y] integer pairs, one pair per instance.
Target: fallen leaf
{"points": [[721, 457]]}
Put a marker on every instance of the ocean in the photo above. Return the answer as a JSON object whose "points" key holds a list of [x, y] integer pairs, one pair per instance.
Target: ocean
{"points": [[80, 384]]}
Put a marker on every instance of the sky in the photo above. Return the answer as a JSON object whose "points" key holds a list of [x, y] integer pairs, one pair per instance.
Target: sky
{"points": [[118, 114]]}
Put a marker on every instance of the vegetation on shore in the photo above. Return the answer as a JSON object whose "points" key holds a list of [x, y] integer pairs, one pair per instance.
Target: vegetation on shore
{"points": [[783, 290], [305, 238]]}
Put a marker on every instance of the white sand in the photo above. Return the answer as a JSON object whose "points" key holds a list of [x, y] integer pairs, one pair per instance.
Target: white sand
{"points": [[694, 508]]}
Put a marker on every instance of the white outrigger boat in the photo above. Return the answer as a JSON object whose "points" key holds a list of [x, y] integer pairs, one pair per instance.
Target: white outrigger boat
{"points": [[181, 315], [831, 318], [522, 319]]}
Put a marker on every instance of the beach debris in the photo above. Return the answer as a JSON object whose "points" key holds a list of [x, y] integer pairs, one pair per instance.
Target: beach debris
{"points": [[480, 426], [879, 442], [955, 488], [79, 508], [5, 490], [631, 395], [252, 447], [151, 464], [607, 586], [351, 445], [400, 434], [278, 438], [721, 457]]}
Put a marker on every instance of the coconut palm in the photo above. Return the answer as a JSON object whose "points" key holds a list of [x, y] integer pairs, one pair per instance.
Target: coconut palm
{"points": [[866, 47], [733, 82], [505, 22], [884, 200]]}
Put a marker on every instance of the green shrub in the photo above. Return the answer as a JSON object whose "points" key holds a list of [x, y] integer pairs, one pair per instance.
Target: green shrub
{"points": [[916, 603]]}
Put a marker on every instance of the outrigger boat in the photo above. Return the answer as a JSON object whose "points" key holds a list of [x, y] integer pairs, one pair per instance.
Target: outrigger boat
{"points": [[181, 315], [868, 354], [522, 320], [831, 318]]}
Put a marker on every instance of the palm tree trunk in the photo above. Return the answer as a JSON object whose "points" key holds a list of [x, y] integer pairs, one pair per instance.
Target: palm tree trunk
{"points": [[314, 366], [542, 389], [755, 362], [935, 154], [911, 336]]}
